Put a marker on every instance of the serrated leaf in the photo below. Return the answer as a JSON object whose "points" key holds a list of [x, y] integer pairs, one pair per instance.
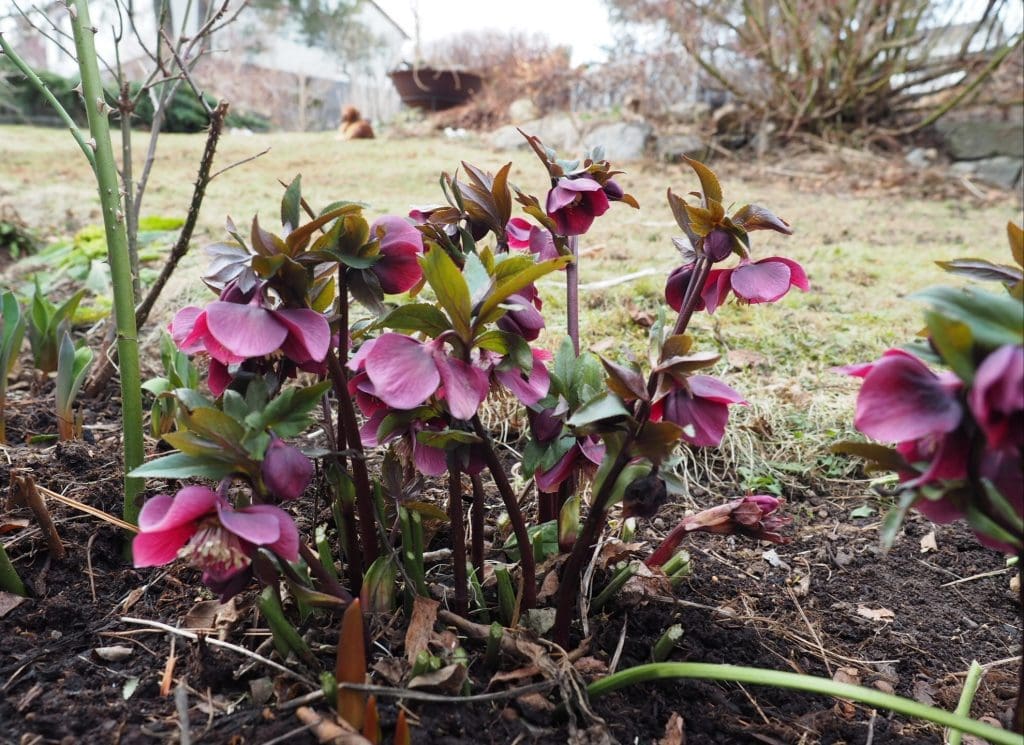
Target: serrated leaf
{"points": [[182, 466], [421, 317], [708, 180], [291, 204], [604, 408], [450, 288]]}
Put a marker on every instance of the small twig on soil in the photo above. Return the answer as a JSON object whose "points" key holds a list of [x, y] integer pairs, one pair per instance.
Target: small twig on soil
{"points": [[181, 706], [753, 702], [88, 566], [614, 664], [241, 162], [218, 643], [814, 631], [24, 492], [993, 573], [290, 735], [88, 509]]}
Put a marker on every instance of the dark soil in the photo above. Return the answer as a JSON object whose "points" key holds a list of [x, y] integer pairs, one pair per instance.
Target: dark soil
{"points": [[828, 603]]}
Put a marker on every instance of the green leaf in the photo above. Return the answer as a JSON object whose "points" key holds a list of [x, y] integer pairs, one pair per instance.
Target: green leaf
{"points": [[451, 290], [12, 324], [446, 439], [563, 367], [994, 320], [863, 511], [72, 366], [421, 317], [894, 519], [182, 466], [954, 341], [301, 235], [604, 408], [490, 310], [477, 278], [291, 204]]}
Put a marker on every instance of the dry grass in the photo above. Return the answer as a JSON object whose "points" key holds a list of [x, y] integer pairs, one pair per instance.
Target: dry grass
{"points": [[864, 253]]}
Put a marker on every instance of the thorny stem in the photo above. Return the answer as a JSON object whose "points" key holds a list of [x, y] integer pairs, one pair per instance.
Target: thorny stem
{"points": [[458, 530], [572, 294], [477, 526], [515, 515]]}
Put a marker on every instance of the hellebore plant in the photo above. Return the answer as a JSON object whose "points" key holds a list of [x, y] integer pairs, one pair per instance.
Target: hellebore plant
{"points": [[958, 433]]}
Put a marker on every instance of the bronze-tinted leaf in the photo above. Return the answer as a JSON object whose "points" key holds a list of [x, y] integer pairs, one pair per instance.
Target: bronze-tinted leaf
{"points": [[880, 457], [351, 665], [701, 220], [1016, 235], [708, 180], [678, 205], [657, 440], [755, 217], [625, 382]]}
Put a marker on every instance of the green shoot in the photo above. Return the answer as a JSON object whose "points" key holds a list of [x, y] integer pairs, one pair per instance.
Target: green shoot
{"points": [[12, 331], [46, 325], [72, 366]]}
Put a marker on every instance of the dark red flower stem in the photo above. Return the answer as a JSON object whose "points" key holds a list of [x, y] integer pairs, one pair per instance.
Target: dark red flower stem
{"points": [[458, 530], [477, 526], [360, 477], [515, 515], [572, 294], [572, 571], [668, 546]]}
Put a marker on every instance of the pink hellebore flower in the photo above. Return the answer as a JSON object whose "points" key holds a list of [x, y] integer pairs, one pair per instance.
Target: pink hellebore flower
{"points": [[198, 525], [589, 448], [755, 516], [531, 388], [763, 281], [233, 332], [523, 319], [522, 234], [703, 404], [403, 373], [573, 203], [285, 470], [997, 397], [398, 268]]}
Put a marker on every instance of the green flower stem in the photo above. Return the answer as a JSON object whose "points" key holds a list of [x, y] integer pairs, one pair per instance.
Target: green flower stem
{"points": [[39, 85], [9, 579], [612, 588], [796, 682], [117, 253], [963, 707], [667, 642]]}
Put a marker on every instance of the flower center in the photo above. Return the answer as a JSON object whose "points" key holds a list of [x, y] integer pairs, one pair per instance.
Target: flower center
{"points": [[215, 550]]}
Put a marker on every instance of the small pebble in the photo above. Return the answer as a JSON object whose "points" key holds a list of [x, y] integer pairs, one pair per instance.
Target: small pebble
{"points": [[56, 634]]}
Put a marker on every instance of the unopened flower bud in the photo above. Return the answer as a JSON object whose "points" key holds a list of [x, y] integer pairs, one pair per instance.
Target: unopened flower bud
{"points": [[644, 497], [286, 471], [718, 245]]}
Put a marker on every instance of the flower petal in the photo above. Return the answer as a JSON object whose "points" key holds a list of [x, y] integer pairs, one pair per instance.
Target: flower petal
{"points": [[159, 547], [402, 371], [716, 288], [566, 190], [219, 378], [309, 334], [398, 269], [549, 480], [164, 512], [429, 461], [901, 399], [253, 524], [762, 282], [529, 390], [287, 544], [245, 330], [705, 386], [518, 232], [465, 386], [181, 329]]}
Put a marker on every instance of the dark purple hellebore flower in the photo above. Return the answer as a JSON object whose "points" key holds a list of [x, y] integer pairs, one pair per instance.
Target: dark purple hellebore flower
{"points": [[573, 203], [198, 525], [997, 397], [398, 268], [718, 245], [531, 388], [763, 281], [232, 332], [523, 319], [755, 516], [404, 373], [702, 403], [901, 399], [285, 470], [592, 451], [522, 234], [675, 288]]}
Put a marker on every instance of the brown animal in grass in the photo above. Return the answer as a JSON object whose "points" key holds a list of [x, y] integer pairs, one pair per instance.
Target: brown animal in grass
{"points": [[353, 126]]}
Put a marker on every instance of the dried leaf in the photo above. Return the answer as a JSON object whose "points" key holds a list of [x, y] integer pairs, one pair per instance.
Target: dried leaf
{"points": [[513, 675], [741, 359], [928, 543], [10, 524], [448, 680], [675, 731], [9, 601], [116, 653], [326, 731], [849, 675], [875, 614], [548, 588], [421, 627]]}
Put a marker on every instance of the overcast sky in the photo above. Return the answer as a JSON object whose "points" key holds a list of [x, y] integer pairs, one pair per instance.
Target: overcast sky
{"points": [[581, 24]]}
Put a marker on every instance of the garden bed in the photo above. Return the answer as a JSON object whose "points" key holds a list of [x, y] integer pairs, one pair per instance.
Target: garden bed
{"points": [[828, 604]]}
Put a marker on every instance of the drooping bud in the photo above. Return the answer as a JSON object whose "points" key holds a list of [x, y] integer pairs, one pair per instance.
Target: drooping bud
{"points": [[285, 470], [718, 245], [546, 425], [524, 320], [675, 287], [644, 497]]}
